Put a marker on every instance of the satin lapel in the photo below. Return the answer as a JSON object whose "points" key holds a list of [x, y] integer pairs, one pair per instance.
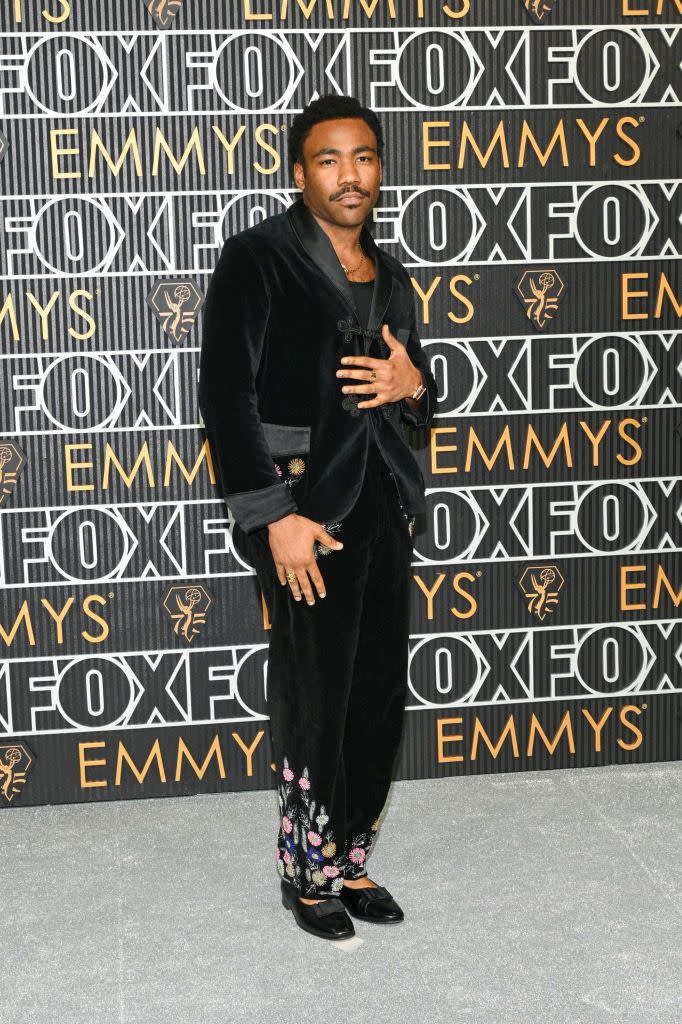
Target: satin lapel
{"points": [[316, 242], [318, 246], [383, 287]]}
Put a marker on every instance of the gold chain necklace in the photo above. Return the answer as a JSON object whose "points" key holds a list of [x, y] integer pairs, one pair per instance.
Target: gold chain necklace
{"points": [[354, 270]]}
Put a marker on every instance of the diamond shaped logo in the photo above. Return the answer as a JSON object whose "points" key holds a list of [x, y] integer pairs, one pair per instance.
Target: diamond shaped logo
{"points": [[16, 761], [176, 304], [12, 461]]}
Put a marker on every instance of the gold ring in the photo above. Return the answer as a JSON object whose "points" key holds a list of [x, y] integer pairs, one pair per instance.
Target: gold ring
{"points": [[373, 375], [290, 575]]}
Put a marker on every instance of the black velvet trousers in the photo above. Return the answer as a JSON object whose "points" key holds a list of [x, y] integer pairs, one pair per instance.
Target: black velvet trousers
{"points": [[337, 686]]}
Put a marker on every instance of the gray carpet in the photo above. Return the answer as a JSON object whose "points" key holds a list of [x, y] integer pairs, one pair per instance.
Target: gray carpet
{"points": [[541, 897]]}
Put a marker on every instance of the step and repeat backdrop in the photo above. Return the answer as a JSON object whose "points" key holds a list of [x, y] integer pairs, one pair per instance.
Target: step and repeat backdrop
{"points": [[532, 189]]}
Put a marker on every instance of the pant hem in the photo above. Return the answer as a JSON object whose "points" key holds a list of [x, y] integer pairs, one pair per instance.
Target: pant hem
{"points": [[319, 895]]}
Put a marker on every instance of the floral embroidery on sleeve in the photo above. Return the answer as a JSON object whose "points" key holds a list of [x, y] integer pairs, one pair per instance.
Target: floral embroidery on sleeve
{"points": [[306, 850]]}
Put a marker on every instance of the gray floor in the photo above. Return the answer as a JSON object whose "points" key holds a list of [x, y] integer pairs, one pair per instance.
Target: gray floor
{"points": [[540, 897]]}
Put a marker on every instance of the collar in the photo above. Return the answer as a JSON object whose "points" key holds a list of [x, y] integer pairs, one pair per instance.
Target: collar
{"points": [[317, 244]]}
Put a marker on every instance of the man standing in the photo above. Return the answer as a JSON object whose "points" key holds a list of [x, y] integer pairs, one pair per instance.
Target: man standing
{"points": [[311, 366]]}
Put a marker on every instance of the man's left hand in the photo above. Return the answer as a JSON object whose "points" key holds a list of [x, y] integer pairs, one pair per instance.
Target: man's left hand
{"points": [[396, 377]]}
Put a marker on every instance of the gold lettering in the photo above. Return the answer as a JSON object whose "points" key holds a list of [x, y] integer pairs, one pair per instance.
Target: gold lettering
{"points": [[597, 726], [248, 751], [428, 143], [473, 603], [81, 312], [425, 297], [466, 302], [564, 726], [629, 440], [9, 311], [663, 581], [592, 137], [143, 457], [429, 594], [184, 753], [83, 764], [499, 138], [90, 637], [509, 729], [26, 618], [625, 570], [154, 755], [57, 616], [595, 439], [532, 440], [193, 143], [622, 134], [527, 135], [504, 442], [229, 146], [435, 448], [639, 736], [130, 143], [56, 152], [43, 312], [443, 738]]}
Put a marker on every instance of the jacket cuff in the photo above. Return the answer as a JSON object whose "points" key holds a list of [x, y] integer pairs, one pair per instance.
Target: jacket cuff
{"points": [[420, 416], [252, 509]]}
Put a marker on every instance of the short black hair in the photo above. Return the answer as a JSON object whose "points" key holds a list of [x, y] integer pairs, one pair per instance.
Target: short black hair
{"points": [[329, 108]]}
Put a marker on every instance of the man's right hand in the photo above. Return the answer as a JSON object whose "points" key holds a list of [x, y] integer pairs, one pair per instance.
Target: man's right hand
{"points": [[291, 543]]}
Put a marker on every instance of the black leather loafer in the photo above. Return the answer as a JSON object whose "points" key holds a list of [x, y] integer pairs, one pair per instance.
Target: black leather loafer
{"points": [[371, 903], [326, 919]]}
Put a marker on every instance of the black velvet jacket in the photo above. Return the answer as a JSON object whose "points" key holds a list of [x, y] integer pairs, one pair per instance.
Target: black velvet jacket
{"points": [[279, 314]]}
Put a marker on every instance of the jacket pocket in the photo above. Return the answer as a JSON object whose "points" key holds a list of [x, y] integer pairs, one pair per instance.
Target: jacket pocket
{"points": [[289, 447], [283, 439]]}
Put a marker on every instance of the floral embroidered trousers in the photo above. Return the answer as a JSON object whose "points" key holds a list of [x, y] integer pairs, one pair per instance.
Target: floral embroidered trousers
{"points": [[337, 686]]}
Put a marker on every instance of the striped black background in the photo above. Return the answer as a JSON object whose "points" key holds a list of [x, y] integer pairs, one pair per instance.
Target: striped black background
{"points": [[87, 692]]}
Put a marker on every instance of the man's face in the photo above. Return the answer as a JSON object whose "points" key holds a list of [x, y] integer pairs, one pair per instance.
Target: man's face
{"points": [[342, 173]]}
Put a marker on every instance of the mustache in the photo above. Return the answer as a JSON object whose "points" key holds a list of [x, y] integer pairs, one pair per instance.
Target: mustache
{"points": [[350, 192]]}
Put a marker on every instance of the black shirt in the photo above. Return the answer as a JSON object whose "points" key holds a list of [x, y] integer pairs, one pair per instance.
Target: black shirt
{"points": [[362, 293]]}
